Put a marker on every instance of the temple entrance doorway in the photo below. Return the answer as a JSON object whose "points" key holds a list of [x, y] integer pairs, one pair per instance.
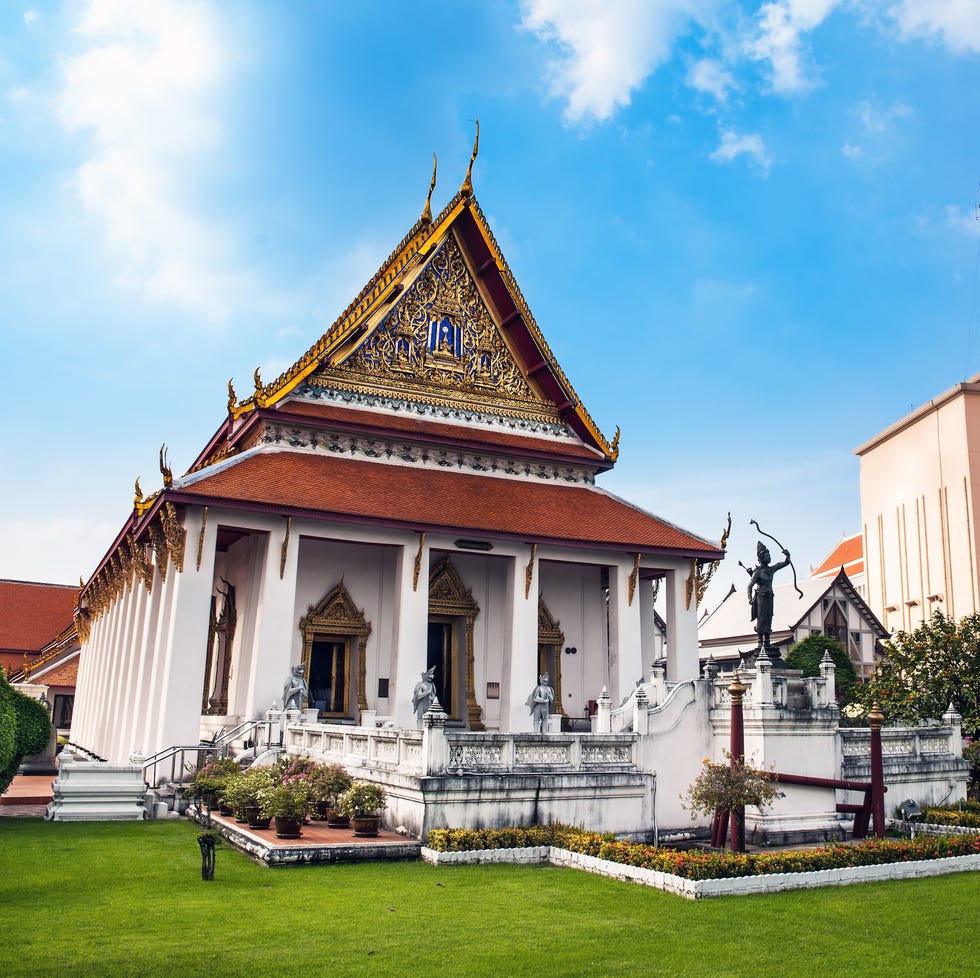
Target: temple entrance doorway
{"points": [[441, 656], [330, 676]]}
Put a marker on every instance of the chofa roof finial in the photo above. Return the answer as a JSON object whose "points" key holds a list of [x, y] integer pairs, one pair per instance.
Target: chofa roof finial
{"points": [[467, 187], [427, 210]]}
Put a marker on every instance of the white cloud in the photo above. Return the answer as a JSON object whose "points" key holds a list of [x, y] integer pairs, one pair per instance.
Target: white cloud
{"points": [[31, 16], [56, 551], [735, 144], [876, 120], [605, 49], [851, 151], [966, 221], [144, 88], [17, 94], [712, 77], [957, 22], [779, 40]]}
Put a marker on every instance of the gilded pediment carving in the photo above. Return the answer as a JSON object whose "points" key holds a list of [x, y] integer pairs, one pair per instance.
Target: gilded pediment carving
{"points": [[336, 611], [549, 631], [448, 593], [440, 336]]}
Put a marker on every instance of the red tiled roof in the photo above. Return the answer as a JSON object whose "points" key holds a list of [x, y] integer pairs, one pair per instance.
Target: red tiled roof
{"points": [[392, 421], [33, 614], [849, 554], [63, 675], [456, 502]]}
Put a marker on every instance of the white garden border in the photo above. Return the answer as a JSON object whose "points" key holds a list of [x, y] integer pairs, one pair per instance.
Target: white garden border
{"points": [[700, 889]]}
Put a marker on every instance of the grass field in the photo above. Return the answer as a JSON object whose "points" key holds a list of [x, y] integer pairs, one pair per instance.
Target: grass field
{"points": [[128, 899]]}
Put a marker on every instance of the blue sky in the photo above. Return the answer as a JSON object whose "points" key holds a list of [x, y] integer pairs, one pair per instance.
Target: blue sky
{"points": [[746, 229]]}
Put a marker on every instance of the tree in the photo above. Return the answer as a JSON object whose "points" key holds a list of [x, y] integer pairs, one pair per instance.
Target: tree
{"points": [[922, 672], [25, 729], [807, 655]]}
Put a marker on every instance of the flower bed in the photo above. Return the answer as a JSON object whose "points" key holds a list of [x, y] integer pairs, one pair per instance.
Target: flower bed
{"points": [[696, 864], [967, 817]]}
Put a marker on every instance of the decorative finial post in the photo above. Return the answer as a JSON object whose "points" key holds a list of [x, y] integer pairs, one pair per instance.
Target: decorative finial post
{"points": [[737, 752], [876, 718], [427, 210], [137, 497], [165, 471], [467, 187]]}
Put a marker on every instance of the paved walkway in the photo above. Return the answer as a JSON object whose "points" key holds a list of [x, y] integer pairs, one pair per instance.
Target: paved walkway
{"points": [[27, 796]]}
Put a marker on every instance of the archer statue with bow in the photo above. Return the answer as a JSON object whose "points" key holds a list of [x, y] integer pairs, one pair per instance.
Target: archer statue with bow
{"points": [[760, 591]]}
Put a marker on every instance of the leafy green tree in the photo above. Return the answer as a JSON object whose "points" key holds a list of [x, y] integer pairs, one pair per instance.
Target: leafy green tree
{"points": [[922, 672], [807, 655], [25, 728]]}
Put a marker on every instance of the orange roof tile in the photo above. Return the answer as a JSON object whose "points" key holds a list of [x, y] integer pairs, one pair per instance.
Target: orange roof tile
{"points": [[849, 554], [392, 421], [456, 502], [61, 675], [33, 614]]}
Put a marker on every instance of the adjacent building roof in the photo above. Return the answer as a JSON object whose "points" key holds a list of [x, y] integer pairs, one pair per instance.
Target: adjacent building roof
{"points": [[31, 615], [848, 554]]}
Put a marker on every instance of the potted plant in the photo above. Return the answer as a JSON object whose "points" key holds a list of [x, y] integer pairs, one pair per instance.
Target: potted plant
{"points": [[210, 781], [363, 803], [288, 803], [242, 793], [327, 783]]}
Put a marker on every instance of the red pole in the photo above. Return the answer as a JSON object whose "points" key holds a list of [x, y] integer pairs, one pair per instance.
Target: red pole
{"points": [[737, 750], [877, 773]]}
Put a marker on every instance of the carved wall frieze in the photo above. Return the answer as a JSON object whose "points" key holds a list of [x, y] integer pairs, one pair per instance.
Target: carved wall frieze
{"points": [[285, 548], [529, 571], [400, 450], [174, 534], [200, 538], [631, 582], [418, 562], [160, 552], [319, 388]]}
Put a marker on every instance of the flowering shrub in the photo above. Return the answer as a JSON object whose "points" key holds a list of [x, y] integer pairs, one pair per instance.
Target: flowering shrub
{"points": [[210, 780], [968, 817], [698, 864], [725, 787]]}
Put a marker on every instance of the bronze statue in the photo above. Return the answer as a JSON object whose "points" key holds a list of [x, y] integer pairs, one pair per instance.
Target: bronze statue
{"points": [[760, 591]]}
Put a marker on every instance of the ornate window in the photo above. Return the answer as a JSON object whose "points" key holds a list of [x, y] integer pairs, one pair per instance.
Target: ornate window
{"points": [[335, 635]]}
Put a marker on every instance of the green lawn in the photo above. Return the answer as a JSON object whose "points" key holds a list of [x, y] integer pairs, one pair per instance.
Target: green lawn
{"points": [[127, 899]]}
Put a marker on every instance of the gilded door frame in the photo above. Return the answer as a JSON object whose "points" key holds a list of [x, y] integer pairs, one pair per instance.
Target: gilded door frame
{"points": [[448, 596], [337, 615], [550, 634]]}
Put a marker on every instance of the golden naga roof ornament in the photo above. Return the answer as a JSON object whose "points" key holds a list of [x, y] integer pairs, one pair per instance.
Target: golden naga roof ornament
{"points": [[427, 210], [614, 445], [259, 396], [232, 397], [168, 476], [467, 188]]}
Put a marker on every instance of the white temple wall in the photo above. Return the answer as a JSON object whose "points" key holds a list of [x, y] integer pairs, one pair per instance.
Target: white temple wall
{"points": [[574, 596], [368, 573]]}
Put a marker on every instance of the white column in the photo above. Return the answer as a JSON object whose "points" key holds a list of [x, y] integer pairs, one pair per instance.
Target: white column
{"points": [[682, 629], [150, 611], [134, 644], [411, 630], [275, 622], [625, 646], [152, 703], [648, 627], [521, 650], [182, 675]]}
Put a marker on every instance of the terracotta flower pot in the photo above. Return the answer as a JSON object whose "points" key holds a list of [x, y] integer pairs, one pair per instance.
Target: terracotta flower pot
{"points": [[337, 821], [288, 828], [365, 826], [254, 819]]}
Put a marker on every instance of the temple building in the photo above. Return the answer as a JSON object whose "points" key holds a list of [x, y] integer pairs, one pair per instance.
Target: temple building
{"points": [[417, 491]]}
